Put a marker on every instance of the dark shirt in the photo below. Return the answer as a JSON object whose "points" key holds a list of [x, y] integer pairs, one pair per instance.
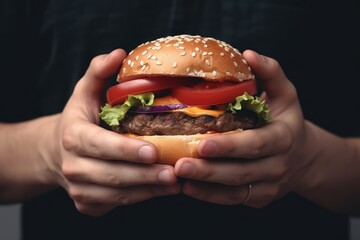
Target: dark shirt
{"points": [[47, 46]]}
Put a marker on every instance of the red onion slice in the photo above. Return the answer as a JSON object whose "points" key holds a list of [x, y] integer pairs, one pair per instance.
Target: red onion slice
{"points": [[157, 109]]}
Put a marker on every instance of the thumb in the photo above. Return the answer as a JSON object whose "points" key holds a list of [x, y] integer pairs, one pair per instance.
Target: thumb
{"points": [[101, 68], [273, 78]]}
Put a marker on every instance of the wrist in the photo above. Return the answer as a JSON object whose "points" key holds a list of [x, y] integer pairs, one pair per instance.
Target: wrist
{"points": [[48, 148], [310, 177]]}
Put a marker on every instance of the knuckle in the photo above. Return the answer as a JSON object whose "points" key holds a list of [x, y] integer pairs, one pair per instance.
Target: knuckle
{"points": [[241, 178], [68, 170], [115, 179], [286, 137], [90, 210], [279, 172], [237, 198], [77, 195], [94, 143], [96, 61], [68, 139], [258, 145], [123, 199]]}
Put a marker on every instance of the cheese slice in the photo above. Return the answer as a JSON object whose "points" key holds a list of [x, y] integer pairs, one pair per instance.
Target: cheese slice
{"points": [[193, 111], [197, 112]]}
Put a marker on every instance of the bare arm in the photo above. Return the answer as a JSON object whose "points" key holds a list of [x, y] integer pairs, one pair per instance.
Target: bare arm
{"points": [[332, 178], [23, 171]]}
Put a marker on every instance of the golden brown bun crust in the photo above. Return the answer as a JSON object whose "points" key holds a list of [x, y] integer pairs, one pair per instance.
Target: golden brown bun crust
{"points": [[171, 148], [186, 55]]}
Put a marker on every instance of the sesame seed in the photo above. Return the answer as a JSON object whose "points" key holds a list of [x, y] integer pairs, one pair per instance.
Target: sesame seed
{"points": [[158, 63], [222, 54], [174, 65], [182, 47], [144, 52], [228, 74], [153, 57], [193, 54], [129, 62], [205, 45], [157, 44], [182, 53], [197, 49], [210, 53], [207, 62], [235, 64], [132, 64], [149, 56], [244, 61], [201, 73], [204, 53], [227, 49], [237, 51], [141, 63], [232, 55], [214, 73], [188, 70], [240, 75], [176, 44], [137, 57]]}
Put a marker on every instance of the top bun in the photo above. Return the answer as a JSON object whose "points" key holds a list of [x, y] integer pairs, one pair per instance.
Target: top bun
{"points": [[185, 56]]}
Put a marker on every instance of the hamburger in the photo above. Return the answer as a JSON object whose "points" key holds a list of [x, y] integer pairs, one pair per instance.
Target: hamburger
{"points": [[177, 90]]}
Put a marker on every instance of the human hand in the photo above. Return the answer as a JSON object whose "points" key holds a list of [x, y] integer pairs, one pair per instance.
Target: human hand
{"points": [[272, 158], [101, 169]]}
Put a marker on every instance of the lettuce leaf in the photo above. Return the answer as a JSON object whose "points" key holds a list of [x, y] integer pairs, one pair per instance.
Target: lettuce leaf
{"points": [[113, 114], [254, 104]]}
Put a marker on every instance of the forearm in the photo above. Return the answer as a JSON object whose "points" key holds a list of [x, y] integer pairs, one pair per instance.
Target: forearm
{"points": [[24, 172], [333, 176]]}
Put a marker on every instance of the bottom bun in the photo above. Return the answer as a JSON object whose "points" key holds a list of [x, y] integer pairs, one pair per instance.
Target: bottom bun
{"points": [[171, 148]]}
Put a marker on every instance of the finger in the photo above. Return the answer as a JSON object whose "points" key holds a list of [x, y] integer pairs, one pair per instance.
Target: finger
{"points": [[261, 193], [268, 140], [270, 72], [96, 200], [117, 174], [101, 68], [231, 173], [87, 139]]}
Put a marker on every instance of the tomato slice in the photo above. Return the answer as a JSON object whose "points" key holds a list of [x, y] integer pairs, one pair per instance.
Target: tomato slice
{"points": [[118, 94], [212, 93]]}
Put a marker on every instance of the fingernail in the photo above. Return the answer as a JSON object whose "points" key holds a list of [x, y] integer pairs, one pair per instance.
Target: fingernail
{"points": [[146, 154], [165, 176], [186, 169], [209, 149]]}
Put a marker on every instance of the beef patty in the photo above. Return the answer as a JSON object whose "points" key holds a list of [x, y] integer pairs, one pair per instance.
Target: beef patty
{"points": [[177, 123]]}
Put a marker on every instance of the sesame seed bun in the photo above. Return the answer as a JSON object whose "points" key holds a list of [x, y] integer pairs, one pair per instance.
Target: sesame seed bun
{"points": [[185, 56]]}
